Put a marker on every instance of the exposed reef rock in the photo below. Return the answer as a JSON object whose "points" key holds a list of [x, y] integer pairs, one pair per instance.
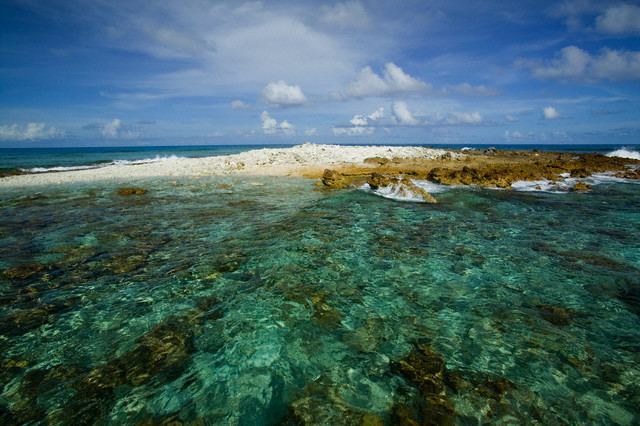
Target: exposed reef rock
{"points": [[581, 187], [489, 168], [401, 186], [334, 180]]}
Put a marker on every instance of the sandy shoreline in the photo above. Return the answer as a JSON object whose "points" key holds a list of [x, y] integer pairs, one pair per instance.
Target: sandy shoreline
{"points": [[300, 160]]}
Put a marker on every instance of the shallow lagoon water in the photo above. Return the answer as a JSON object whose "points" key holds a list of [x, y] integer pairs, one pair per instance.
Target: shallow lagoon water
{"points": [[264, 301]]}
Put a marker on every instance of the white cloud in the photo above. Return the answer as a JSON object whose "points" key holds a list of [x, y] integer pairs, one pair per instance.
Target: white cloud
{"points": [[363, 120], [377, 114], [359, 120], [350, 14], [393, 81], [510, 118], [402, 115], [619, 19], [575, 63], [353, 131], [271, 126], [550, 113], [286, 126], [571, 62], [112, 128], [280, 93], [470, 90], [238, 104], [464, 118], [311, 132], [28, 132]]}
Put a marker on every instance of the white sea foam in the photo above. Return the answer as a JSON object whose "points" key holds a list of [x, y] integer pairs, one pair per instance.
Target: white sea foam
{"points": [[433, 188], [559, 187], [394, 192], [400, 192], [156, 159], [59, 169], [625, 153]]}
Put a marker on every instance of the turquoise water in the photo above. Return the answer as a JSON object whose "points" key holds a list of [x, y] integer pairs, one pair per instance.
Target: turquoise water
{"points": [[265, 301]]}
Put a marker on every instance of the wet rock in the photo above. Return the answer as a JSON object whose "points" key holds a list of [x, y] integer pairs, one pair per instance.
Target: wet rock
{"points": [[580, 173], [556, 315], [376, 180], [629, 173], [131, 191], [23, 272], [334, 180], [581, 187], [403, 186]]}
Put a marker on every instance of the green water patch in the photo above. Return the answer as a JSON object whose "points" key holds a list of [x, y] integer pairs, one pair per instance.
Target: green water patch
{"points": [[265, 301]]}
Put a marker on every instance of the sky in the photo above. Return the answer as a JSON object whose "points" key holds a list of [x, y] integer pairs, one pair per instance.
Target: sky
{"points": [[114, 72]]}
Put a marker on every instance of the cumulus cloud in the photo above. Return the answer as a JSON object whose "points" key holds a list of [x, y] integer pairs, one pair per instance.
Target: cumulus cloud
{"points": [[280, 93], [464, 118], [28, 132], [270, 126], [510, 118], [311, 132], [377, 114], [353, 131], [360, 124], [402, 115], [393, 81], [238, 104], [619, 19], [574, 63], [350, 14], [550, 113]]}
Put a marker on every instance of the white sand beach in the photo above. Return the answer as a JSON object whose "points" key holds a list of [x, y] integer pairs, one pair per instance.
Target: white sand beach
{"points": [[295, 161]]}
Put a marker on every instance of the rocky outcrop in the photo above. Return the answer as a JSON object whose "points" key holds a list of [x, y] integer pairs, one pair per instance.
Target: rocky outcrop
{"points": [[404, 187], [581, 187], [334, 180]]}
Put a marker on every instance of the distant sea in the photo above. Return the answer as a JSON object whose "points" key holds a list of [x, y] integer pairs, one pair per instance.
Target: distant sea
{"points": [[38, 160]]}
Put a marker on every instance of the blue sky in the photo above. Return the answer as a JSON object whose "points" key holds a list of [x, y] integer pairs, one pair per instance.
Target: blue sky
{"points": [[194, 71]]}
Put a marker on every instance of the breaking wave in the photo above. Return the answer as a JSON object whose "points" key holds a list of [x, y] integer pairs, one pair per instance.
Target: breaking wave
{"points": [[155, 159], [624, 153]]}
